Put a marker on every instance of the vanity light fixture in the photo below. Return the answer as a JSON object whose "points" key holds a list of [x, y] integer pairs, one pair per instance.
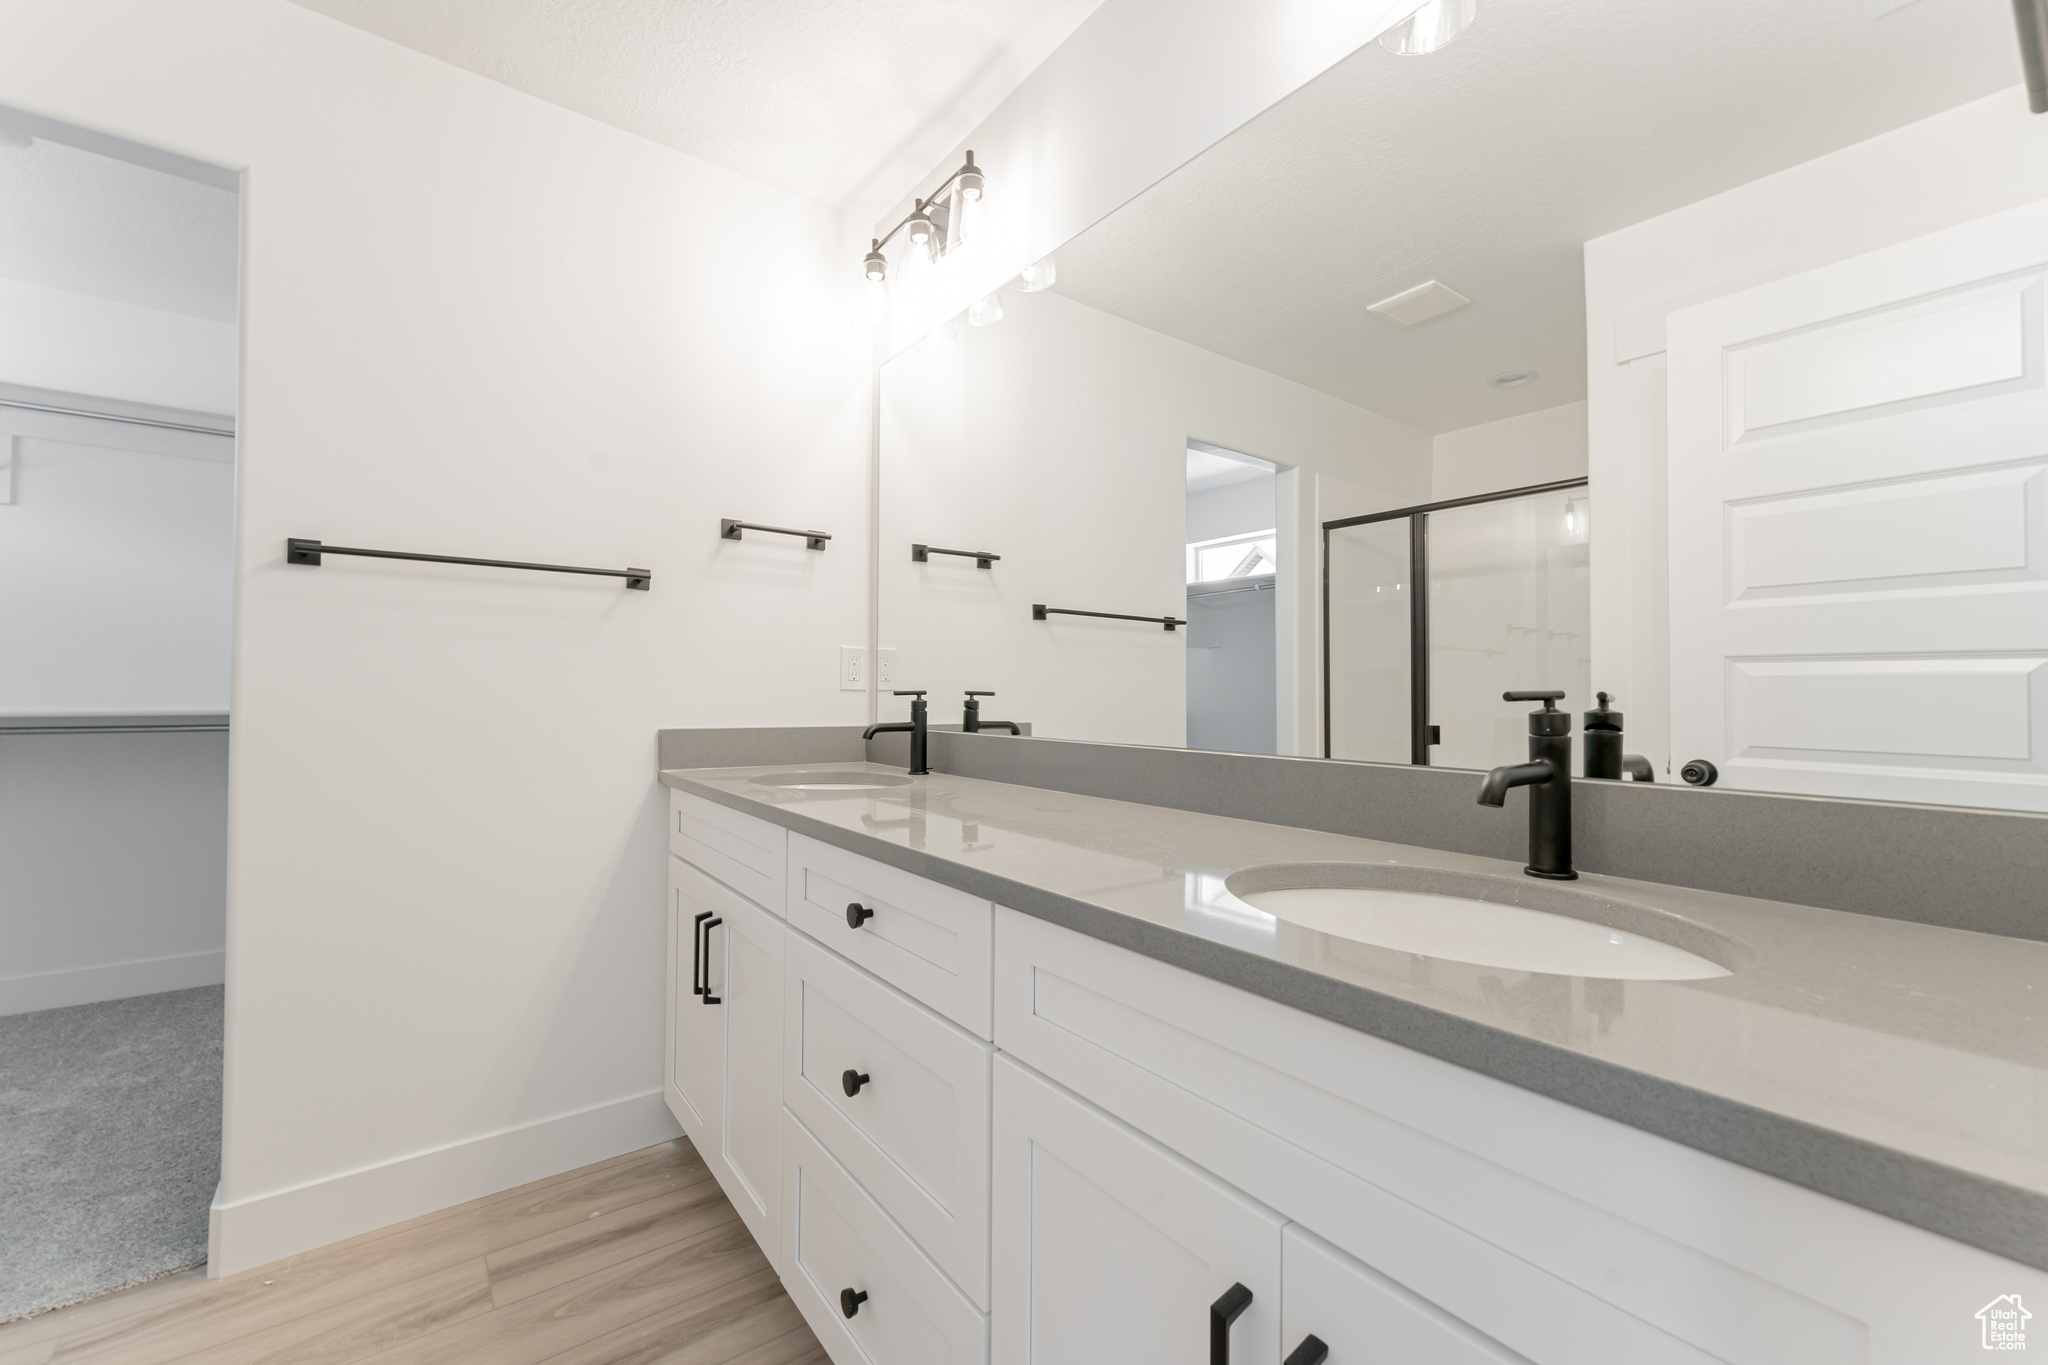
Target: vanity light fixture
{"points": [[1434, 26], [937, 224], [1512, 379]]}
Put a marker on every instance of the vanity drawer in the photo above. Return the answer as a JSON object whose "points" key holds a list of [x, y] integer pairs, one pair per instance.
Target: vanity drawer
{"points": [[915, 1132], [747, 854], [927, 940], [835, 1240]]}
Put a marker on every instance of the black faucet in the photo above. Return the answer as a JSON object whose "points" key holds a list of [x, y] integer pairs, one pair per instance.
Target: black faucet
{"points": [[1548, 775], [972, 723], [915, 725]]}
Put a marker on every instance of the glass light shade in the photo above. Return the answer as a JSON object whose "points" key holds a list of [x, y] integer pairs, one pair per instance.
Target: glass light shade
{"points": [[983, 312], [1035, 277], [1434, 26], [876, 291], [969, 214]]}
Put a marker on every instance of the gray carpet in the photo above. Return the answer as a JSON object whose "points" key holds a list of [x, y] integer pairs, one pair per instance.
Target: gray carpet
{"points": [[109, 1145]]}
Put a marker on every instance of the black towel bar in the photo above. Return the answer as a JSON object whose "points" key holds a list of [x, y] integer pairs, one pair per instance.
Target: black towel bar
{"points": [[1039, 611], [298, 551], [921, 554], [729, 529]]}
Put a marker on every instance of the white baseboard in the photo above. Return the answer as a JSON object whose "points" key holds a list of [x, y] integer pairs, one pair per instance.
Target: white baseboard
{"points": [[111, 981], [263, 1228]]}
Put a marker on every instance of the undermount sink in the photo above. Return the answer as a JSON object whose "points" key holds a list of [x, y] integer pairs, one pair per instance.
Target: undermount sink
{"points": [[1489, 921], [832, 781]]}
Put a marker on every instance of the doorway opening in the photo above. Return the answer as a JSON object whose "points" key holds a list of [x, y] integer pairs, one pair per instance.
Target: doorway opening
{"points": [[119, 367], [1232, 570]]}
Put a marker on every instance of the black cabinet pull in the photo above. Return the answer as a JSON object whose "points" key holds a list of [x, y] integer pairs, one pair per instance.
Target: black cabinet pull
{"points": [[851, 1081], [1312, 1351], [850, 1300], [857, 914], [705, 995], [697, 973], [1222, 1313]]}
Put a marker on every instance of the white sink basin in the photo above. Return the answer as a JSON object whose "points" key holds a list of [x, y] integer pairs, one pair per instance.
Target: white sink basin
{"points": [[1416, 910], [832, 781]]}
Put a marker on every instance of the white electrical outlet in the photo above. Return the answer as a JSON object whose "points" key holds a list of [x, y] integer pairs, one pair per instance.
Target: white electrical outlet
{"points": [[885, 672], [853, 668]]}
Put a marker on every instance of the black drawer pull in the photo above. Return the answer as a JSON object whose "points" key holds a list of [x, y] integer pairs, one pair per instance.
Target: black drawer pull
{"points": [[1222, 1313], [850, 1300], [705, 995], [1310, 1352], [851, 1081], [857, 914]]}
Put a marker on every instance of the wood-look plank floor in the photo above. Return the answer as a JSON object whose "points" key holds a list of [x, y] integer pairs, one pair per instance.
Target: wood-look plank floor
{"points": [[639, 1260]]}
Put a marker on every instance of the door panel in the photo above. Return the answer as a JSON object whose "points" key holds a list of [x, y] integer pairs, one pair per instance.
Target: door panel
{"points": [[1107, 1248], [1858, 477]]}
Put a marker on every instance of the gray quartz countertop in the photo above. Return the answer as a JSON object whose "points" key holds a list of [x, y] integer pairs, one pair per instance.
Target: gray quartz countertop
{"points": [[1898, 1066]]}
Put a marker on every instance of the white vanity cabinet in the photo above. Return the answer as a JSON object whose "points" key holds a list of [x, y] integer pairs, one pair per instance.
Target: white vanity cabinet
{"points": [[963, 1134], [1110, 1249]]}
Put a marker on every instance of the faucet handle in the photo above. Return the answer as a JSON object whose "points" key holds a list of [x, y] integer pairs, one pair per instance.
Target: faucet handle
{"points": [[918, 692], [972, 693], [1545, 697]]}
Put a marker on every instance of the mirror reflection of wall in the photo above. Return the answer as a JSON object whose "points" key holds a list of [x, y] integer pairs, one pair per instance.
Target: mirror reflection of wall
{"points": [[1631, 259]]}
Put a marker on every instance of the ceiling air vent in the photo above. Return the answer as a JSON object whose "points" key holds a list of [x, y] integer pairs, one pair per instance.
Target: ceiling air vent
{"points": [[1420, 304]]}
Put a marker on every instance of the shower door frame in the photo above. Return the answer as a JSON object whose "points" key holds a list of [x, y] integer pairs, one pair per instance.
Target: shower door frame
{"points": [[1419, 737]]}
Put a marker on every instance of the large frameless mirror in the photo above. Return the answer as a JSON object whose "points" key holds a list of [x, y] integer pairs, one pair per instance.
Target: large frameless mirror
{"points": [[1300, 451]]}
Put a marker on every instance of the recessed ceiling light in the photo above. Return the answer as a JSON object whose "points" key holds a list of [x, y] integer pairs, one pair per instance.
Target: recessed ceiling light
{"points": [[1425, 301], [1512, 379]]}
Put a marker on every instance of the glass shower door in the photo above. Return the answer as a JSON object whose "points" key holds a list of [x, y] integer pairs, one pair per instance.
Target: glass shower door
{"points": [[1509, 601], [1367, 629], [1504, 605]]}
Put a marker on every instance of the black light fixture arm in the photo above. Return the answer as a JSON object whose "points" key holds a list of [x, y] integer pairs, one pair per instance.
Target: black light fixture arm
{"points": [[967, 167]]}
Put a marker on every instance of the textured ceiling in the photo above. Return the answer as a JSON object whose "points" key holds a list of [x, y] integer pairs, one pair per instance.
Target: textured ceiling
{"points": [[75, 220], [1488, 164], [845, 102]]}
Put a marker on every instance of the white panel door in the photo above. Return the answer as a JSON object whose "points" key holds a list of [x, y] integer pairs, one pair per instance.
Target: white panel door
{"points": [[1108, 1249], [746, 945], [1859, 524]]}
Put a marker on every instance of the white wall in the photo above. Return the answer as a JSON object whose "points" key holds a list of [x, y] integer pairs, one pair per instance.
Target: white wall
{"points": [[474, 323], [117, 571], [1515, 452], [1057, 438], [55, 339], [113, 850], [1235, 509], [1960, 165]]}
